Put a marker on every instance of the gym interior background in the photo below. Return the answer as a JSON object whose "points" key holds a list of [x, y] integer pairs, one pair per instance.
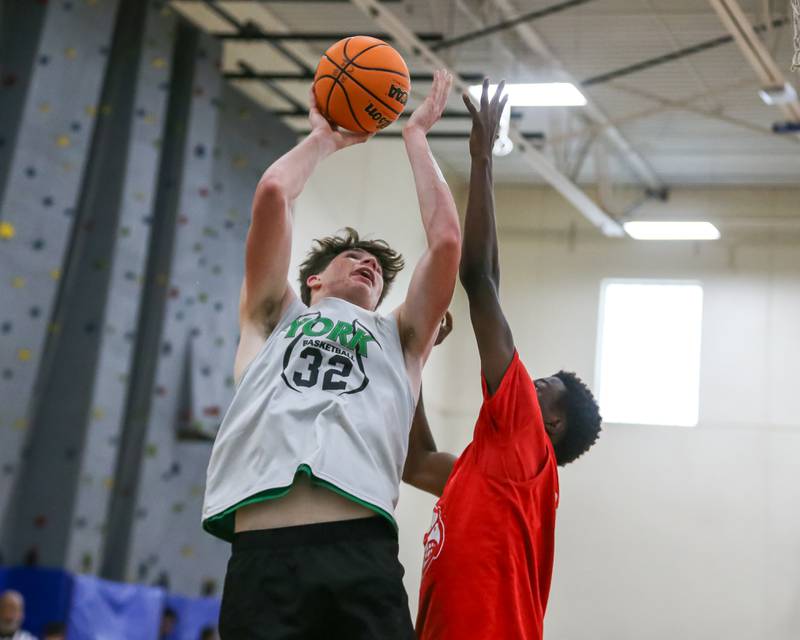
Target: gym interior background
{"points": [[132, 135]]}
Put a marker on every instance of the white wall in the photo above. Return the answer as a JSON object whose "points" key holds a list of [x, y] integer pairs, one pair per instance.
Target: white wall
{"points": [[662, 532]]}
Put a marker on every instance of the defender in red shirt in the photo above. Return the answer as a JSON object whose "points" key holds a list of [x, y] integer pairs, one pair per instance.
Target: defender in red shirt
{"points": [[489, 552]]}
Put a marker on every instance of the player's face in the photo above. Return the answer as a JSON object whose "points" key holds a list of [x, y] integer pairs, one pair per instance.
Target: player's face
{"points": [[552, 397], [355, 276]]}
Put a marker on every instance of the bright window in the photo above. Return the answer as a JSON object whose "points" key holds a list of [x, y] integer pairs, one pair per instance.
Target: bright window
{"points": [[649, 352]]}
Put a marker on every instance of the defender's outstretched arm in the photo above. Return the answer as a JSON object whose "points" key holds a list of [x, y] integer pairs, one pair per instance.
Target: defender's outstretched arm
{"points": [[480, 269]]}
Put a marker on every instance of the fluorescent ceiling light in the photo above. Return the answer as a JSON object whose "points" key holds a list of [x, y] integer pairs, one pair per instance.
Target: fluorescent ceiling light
{"points": [[776, 96], [540, 94], [669, 230]]}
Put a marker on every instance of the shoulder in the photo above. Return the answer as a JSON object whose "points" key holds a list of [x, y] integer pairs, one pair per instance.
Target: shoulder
{"points": [[515, 379]]}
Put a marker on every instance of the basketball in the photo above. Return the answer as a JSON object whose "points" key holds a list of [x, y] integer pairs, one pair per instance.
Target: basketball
{"points": [[361, 84]]}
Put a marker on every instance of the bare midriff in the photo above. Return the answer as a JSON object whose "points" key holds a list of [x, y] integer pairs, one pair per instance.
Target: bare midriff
{"points": [[306, 503]]}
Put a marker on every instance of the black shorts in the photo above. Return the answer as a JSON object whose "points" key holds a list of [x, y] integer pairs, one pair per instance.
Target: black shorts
{"points": [[320, 581]]}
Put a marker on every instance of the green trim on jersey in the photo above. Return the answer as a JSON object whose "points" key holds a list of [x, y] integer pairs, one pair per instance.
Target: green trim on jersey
{"points": [[223, 524]]}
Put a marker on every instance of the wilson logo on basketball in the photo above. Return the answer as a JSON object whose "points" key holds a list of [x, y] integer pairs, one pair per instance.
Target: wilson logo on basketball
{"points": [[380, 120], [398, 94]]}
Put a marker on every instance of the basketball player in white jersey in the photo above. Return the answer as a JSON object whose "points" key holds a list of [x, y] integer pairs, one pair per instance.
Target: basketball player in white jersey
{"points": [[305, 469]]}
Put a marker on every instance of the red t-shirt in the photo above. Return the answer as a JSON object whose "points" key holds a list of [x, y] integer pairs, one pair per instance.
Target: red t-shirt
{"points": [[489, 552]]}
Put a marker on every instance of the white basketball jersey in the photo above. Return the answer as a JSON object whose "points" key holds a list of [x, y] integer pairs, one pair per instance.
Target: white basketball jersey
{"points": [[328, 394]]}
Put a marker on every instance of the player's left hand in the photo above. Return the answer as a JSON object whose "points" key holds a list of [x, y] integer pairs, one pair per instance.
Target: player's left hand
{"points": [[428, 113], [485, 122], [445, 327]]}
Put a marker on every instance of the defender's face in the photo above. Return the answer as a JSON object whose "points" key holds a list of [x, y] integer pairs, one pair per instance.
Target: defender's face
{"points": [[354, 275], [552, 399]]}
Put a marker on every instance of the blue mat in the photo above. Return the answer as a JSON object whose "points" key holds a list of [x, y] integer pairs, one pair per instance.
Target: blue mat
{"points": [[96, 609], [47, 594]]}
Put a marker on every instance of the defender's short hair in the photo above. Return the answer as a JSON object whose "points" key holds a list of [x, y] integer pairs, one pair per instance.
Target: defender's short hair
{"points": [[583, 419]]}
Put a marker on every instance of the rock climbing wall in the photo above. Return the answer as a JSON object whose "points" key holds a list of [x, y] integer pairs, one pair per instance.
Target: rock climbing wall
{"points": [[38, 206], [229, 143], [195, 372]]}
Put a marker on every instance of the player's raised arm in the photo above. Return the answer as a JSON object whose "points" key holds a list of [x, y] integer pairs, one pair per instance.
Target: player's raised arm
{"points": [[433, 281], [480, 269], [265, 291]]}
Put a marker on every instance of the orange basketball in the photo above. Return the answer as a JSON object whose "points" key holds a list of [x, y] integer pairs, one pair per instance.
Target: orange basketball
{"points": [[361, 84]]}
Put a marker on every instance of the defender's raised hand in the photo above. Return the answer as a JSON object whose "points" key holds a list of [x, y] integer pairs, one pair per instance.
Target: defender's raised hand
{"points": [[339, 138], [429, 112], [485, 122]]}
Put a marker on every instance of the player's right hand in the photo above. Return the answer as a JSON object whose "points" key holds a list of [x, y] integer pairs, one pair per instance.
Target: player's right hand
{"points": [[320, 126]]}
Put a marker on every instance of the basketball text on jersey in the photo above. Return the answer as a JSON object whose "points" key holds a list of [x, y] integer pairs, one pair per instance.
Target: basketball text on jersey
{"points": [[311, 334]]}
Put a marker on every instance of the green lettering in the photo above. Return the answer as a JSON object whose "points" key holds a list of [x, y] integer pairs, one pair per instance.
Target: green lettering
{"points": [[308, 328], [296, 324], [359, 342], [341, 332]]}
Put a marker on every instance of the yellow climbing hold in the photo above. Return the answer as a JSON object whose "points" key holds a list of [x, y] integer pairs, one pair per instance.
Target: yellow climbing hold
{"points": [[108, 482], [18, 282], [71, 53], [187, 551], [7, 230], [21, 424], [63, 141], [91, 110], [240, 162], [44, 107], [55, 274], [98, 413], [159, 63], [24, 354]]}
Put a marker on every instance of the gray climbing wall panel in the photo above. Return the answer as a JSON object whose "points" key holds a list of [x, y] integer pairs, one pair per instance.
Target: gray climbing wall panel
{"points": [[230, 142]]}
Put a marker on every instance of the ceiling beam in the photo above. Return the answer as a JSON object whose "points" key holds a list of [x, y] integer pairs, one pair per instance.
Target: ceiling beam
{"points": [[657, 110], [508, 24], [447, 115], [672, 56], [712, 114], [307, 76], [406, 39], [640, 168], [757, 55], [308, 36]]}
